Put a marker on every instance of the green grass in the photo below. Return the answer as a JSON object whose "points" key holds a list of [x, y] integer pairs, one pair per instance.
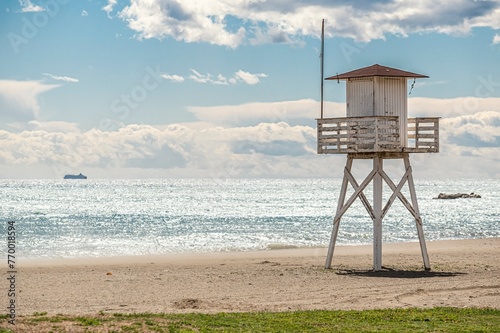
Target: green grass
{"points": [[389, 320]]}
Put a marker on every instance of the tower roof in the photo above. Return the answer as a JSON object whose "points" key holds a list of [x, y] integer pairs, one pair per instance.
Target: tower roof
{"points": [[375, 70]]}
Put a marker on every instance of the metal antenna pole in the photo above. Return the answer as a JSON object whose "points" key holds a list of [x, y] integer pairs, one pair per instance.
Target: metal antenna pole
{"points": [[322, 61]]}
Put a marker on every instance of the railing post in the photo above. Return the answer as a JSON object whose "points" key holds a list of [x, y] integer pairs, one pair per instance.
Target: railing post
{"points": [[436, 134], [338, 135]]}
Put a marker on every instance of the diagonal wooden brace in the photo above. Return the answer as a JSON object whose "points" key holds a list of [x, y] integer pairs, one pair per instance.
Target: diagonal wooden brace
{"points": [[396, 191], [357, 191], [361, 195], [400, 195]]}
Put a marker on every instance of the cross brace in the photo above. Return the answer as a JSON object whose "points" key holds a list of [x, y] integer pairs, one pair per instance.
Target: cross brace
{"points": [[377, 175]]}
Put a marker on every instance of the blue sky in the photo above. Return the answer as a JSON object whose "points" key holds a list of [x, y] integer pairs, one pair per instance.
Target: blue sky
{"points": [[165, 88]]}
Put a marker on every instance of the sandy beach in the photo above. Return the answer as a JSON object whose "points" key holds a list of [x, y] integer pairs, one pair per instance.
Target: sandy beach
{"points": [[465, 273]]}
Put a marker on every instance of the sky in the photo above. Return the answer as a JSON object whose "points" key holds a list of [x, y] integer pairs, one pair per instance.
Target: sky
{"points": [[231, 88]]}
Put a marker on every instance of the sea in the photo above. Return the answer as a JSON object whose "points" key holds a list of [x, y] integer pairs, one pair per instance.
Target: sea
{"points": [[128, 217]]}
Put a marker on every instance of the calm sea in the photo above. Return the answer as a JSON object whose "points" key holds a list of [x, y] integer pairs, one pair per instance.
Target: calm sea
{"points": [[89, 218]]}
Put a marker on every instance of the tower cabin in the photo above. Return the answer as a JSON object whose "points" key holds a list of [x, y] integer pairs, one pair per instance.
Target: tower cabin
{"points": [[377, 116], [377, 127]]}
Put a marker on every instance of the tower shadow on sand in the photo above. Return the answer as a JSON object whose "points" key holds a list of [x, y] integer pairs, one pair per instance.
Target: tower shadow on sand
{"points": [[397, 274]]}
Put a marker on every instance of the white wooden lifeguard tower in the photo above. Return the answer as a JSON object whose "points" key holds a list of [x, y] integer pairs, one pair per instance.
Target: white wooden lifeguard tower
{"points": [[377, 127]]}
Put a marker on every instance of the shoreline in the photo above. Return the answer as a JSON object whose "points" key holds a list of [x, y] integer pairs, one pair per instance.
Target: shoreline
{"points": [[192, 257], [463, 273]]}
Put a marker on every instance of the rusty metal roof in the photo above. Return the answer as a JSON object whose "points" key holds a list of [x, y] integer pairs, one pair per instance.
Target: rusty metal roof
{"points": [[375, 70]]}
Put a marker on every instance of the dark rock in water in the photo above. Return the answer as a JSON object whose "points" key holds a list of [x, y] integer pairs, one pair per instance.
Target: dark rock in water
{"points": [[80, 176], [457, 196]]}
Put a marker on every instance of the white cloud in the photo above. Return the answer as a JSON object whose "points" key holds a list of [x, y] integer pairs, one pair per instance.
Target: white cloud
{"points": [[173, 77], [61, 78], [19, 99], [233, 22], [308, 109], [496, 39], [481, 129], [206, 78], [109, 7], [249, 78], [434, 107], [28, 7], [255, 113], [219, 79], [182, 20], [52, 126], [85, 13]]}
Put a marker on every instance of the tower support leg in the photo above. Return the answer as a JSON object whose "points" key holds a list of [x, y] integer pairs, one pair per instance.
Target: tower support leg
{"points": [[418, 218], [338, 214], [377, 210], [377, 175]]}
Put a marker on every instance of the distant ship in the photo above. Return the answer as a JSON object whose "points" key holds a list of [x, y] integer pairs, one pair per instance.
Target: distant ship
{"points": [[80, 176]]}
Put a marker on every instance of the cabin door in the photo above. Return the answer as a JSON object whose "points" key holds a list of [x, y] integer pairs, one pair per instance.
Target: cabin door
{"points": [[360, 94], [392, 101]]}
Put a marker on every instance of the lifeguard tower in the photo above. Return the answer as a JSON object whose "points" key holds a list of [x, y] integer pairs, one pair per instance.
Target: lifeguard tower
{"points": [[377, 127]]}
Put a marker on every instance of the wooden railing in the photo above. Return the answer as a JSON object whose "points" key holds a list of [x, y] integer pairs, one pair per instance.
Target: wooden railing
{"points": [[423, 134], [376, 134]]}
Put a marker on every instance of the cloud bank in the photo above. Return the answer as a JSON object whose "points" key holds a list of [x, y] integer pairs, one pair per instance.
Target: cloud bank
{"points": [[255, 144], [234, 22], [177, 150]]}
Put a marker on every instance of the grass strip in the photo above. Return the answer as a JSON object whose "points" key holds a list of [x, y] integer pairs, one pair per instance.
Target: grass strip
{"points": [[387, 320]]}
